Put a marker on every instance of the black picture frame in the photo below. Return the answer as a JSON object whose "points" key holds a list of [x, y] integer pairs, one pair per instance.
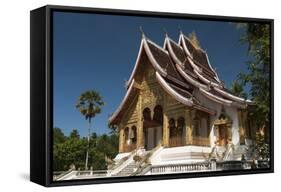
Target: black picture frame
{"points": [[41, 101]]}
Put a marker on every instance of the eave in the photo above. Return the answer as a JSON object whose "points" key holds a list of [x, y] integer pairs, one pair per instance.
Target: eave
{"points": [[178, 97], [113, 118]]}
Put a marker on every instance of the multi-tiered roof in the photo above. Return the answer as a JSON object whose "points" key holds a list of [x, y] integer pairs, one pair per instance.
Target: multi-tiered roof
{"points": [[180, 68]]}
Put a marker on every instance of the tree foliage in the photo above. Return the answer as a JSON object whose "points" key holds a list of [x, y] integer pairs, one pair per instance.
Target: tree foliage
{"points": [[58, 135], [237, 89], [72, 150], [257, 36], [74, 134], [89, 104], [262, 149]]}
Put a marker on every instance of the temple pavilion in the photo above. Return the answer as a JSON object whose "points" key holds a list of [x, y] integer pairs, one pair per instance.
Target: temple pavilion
{"points": [[177, 108]]}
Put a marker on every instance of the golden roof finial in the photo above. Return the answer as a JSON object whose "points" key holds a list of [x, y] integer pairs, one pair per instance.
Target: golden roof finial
{"points": [[193, 38], [142, 32]]}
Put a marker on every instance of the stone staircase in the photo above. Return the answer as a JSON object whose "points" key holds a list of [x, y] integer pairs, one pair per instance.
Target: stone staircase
{"points": [[128, 170], [233, 153], [131, 168], [243, 150], [238, 152]]}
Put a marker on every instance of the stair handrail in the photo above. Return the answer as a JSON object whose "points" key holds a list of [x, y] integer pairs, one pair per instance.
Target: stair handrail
{"points": [[229, 147], [143, 164], [120, 166], [66, 174]]}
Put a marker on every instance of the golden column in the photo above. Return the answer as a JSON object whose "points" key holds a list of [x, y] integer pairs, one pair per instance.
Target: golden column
{"points": [[229, 130], [165, 130], [241, 127], [140, 123], [188, 127], [121, 140]]}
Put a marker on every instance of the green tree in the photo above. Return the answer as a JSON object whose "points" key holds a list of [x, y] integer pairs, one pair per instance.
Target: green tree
{"points": [[262, 149], [71, 150], [58, 136], [74, 134], [237, 89], [89, 104], [257, 36], [106, 145], [112, 128], [58, 139]]}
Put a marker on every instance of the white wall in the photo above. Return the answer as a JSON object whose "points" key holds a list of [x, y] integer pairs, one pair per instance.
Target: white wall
{"points": [[230, 111], [14, 81]]}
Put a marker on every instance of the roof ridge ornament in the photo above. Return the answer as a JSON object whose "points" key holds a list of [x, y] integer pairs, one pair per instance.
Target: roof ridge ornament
{"points": [[180, 30], [142, 32], [126, 82], [209, 86], [184, 62], [222, 83], [166, 67]]}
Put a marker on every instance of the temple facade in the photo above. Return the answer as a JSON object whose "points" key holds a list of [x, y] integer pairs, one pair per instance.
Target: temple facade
{"points": [[177, 110]]}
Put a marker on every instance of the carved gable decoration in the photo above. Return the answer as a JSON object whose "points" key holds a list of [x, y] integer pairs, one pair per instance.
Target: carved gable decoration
{"points": [[223, 118]]}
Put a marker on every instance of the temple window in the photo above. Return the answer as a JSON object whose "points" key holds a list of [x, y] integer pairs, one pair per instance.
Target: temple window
{"points": [[133, 135], [172, 127], [147, 114], [201, 124], [158, 114], [196, 126], [180, 127], [126, 134], [176, 132], [204, 127]]}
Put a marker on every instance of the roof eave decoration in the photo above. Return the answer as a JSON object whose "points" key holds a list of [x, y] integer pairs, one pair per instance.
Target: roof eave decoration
{"points": [[136, 64], [215, 98], [198, 71], [181, 40], [207, 81], [179, 66], [233, 97], [217, 87], [174, 57], [190, 79], [156, 65], [172, 92], [208, 61], [153, 60], [114, 115], [223, 101], [178, 97]]}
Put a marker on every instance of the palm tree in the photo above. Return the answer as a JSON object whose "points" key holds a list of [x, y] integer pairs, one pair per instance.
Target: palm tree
{"points": [[89, 104]]}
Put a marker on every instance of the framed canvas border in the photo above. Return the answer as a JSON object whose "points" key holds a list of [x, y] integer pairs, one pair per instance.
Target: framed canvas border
{"points": [[41, 94]]}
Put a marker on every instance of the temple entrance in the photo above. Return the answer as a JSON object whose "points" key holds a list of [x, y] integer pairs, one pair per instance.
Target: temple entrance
{"points": [[222, 135], [223, 127], [152, 127], [153, 137], [176, 132]]}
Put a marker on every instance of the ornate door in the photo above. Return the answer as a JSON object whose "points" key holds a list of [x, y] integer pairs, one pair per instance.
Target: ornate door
{"points": [[222, 135]]}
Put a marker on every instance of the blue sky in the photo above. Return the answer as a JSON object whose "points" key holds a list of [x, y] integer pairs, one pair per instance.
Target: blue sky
{"points": [[99, 51]]}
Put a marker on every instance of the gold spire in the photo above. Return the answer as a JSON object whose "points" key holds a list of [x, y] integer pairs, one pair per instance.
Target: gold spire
{"points": [[193, 38]]}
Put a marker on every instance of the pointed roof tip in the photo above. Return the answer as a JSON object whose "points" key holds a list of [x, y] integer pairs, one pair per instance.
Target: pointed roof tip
{"points": [[180, 30], [165, 31], [142, 32]]}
